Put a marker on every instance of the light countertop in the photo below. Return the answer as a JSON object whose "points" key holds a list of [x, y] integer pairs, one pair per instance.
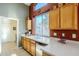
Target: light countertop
{"points": [[71, 48], [44, 40]]}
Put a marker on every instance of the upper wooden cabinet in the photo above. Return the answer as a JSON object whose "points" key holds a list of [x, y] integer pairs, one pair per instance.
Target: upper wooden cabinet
{"points": [[68, 16], [54, 19], [28, 23], [64, 17]]}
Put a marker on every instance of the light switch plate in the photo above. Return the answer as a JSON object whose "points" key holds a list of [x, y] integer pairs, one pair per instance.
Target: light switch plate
{"points": [[73, 35], [55, 34], [63, 34]]}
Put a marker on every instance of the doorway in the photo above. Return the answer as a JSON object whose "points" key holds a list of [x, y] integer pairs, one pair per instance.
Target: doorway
{"points": [[8, 31]]}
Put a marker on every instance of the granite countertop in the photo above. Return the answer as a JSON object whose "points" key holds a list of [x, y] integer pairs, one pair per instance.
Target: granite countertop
{"points": [[53, 47]]}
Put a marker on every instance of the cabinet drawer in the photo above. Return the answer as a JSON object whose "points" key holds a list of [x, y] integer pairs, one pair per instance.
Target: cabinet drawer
{"points": [[27, 39]]}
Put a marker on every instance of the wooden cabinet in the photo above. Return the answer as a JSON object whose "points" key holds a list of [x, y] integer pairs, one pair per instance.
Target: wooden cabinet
{"points": [[64, 17], [33, 47], [28, 23], [68, 16], [54, 19], [25, 43], [29, 45]]}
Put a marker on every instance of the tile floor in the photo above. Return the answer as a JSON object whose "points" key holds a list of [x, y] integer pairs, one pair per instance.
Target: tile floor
{"points": [[10, 49]]}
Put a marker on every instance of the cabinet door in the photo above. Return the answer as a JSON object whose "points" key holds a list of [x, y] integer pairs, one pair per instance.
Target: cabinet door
{"points": [[25, 44], [75, 21], [33, 48], [54, 19], [29, 24], [28, 44], [68, 16]]}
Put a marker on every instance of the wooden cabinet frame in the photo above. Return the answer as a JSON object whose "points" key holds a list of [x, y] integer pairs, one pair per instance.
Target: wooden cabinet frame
{"points": [[68, 17], [29, 45], [54, 19]]}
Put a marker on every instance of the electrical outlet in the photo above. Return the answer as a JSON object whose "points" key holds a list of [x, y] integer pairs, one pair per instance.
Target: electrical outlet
{"points": [[63, 34], [73, 35], [55, 34]]}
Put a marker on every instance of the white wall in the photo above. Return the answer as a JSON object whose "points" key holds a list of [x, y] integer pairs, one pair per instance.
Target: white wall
{"points": [[15, 10]]}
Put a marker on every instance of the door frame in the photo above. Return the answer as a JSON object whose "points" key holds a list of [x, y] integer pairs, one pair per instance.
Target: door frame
{"points": [[17, 40], [10, 18]]}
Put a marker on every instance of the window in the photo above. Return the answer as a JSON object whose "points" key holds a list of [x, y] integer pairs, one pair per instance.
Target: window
{"points": [[39, 5], [42, 25], [38, 25]]}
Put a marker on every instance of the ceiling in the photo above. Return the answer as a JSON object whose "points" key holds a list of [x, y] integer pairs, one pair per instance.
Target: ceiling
{"points": [[28, 4]]}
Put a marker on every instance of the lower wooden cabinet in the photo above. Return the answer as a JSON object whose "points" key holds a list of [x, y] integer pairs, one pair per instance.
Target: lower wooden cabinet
{"points": [[33, 48], [29, 45]]}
